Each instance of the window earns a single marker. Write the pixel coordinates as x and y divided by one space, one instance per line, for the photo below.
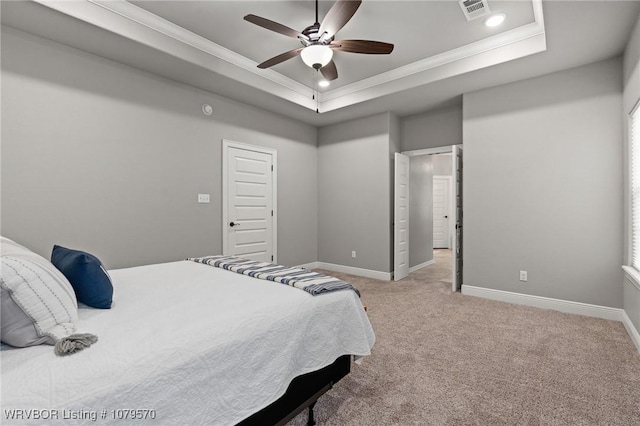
634 137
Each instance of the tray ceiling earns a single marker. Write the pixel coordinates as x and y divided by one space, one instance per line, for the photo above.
438 54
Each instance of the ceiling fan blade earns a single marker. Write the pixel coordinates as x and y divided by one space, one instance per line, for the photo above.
329 71
274 26
337 17
362 46
280 58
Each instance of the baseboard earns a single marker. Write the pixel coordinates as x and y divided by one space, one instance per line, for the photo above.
566 306
631 330
311 265
422 265
368 273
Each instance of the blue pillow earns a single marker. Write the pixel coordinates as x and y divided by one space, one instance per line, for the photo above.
86 274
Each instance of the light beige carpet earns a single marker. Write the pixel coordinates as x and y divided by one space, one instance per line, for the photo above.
447 359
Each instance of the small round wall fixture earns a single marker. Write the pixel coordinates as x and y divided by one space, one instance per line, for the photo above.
207 109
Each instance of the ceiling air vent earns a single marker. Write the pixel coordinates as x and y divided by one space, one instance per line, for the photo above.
473 9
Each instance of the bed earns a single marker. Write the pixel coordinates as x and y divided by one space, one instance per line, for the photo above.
188 343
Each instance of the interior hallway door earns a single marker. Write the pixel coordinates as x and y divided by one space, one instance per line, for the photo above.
401 217
249 202
441 215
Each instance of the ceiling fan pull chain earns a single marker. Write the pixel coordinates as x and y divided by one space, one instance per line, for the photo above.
316 92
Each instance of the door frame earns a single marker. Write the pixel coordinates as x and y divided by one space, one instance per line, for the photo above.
457 227
453 189
226 144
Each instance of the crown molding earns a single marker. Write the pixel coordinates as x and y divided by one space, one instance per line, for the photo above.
498 41
516 43
176 32
137 24
440 67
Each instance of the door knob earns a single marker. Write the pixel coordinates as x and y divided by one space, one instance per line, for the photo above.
232 224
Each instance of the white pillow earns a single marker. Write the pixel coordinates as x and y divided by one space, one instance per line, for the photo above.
38 303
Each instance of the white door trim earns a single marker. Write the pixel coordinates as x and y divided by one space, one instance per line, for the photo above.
226 144
429 151
457 228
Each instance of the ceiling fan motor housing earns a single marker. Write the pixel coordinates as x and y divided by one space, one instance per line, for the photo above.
313 34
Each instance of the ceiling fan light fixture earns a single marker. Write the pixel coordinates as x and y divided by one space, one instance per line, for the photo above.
495 20
323 83
316 56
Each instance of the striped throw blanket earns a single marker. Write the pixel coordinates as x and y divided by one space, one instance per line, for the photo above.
314 283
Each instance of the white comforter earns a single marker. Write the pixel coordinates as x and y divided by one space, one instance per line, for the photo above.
195 344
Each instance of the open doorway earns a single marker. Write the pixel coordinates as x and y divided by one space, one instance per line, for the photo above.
435 226
442 205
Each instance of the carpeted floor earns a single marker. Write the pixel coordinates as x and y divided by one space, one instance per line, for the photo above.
442 358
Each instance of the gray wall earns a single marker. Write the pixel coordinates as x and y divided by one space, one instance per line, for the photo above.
543 185
106 158
420 210
442 165
630 98
631 57
432 129
354 193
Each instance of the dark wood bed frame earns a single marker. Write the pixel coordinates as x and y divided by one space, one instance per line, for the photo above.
303 392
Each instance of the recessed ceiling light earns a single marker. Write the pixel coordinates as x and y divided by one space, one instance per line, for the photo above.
495 19
323 83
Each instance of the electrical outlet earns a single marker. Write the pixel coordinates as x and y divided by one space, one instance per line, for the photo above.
204 198
523 275
353 254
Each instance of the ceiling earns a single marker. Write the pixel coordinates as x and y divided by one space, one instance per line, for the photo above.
375 20
438 54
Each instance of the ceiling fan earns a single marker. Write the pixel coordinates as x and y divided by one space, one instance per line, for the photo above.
318 40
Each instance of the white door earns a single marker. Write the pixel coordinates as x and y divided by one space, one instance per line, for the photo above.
457 218
441 206
249 200
401 218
